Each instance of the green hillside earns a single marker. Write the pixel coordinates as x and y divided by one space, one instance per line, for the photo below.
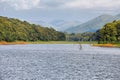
13 29
110 33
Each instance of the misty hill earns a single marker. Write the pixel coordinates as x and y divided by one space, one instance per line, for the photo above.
59 25
94 24
62 25
14 29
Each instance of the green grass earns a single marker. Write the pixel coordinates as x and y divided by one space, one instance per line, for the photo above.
47 42
60 42
117 45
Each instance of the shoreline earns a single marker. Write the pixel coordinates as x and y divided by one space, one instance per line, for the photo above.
107 45
59 42
12 43
44 42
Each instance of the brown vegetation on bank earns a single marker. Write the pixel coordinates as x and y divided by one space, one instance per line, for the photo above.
106 45
12 43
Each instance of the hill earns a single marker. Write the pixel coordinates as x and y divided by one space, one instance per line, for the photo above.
59 25
109 33
93 25
62 25
14 29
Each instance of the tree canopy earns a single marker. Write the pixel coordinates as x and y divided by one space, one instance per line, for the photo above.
13 29
110 33
86 36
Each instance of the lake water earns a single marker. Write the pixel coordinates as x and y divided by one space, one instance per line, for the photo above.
58 62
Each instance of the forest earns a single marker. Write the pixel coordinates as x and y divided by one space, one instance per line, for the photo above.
12 29
110 33
86 36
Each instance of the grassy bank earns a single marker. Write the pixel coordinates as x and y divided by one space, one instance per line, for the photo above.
60 42
46 42
12 43
53 42
107 45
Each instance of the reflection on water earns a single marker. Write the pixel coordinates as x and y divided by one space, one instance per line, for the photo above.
59 62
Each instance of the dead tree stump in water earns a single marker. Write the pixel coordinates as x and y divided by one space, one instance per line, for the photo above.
80 46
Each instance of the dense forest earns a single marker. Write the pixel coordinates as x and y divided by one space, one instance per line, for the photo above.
13 29
110 33
86 36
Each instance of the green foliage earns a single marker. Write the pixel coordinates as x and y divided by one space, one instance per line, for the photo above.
86 36
110 33
13 29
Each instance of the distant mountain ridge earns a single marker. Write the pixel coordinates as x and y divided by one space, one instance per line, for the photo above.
94 24
63 25
59 25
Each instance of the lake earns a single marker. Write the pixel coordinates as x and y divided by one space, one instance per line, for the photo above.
59 62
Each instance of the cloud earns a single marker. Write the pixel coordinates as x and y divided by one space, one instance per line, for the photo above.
62 4
81 4
21 4
53 3
92 4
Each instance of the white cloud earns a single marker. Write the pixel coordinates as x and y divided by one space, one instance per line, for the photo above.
22 4
63 4
91 4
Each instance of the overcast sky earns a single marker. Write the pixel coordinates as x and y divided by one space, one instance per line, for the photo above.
48 10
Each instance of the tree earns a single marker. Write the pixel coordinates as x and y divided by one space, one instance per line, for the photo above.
13 29
108 33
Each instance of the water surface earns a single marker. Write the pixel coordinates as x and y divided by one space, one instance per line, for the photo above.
59 62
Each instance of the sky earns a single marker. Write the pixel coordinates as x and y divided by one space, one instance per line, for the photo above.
50 10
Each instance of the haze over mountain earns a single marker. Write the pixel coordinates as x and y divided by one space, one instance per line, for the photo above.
70 11
59 25
94 24
77 26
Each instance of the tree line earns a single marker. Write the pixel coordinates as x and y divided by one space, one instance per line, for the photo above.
12 29
86 36
110 33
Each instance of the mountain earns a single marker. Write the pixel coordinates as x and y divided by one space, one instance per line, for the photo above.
62 25
42 23
94 24
59 25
